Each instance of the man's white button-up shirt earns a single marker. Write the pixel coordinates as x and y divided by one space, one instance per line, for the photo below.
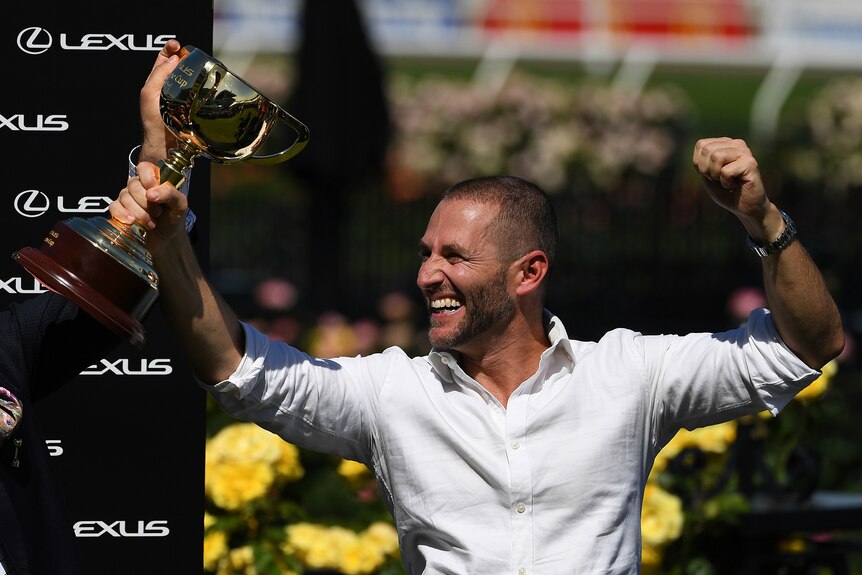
553 482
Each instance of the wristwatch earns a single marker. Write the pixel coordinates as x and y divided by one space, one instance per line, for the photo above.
785 239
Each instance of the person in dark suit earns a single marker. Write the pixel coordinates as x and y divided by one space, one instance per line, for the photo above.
44 343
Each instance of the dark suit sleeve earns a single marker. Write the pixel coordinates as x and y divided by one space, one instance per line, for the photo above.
53 340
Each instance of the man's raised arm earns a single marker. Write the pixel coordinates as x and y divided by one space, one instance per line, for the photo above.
802 308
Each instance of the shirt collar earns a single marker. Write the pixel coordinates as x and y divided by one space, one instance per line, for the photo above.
558 336
445 362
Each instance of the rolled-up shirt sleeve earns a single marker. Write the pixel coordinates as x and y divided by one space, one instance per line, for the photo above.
326 405
707 378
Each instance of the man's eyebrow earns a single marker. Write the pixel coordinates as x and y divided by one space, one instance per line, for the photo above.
445 248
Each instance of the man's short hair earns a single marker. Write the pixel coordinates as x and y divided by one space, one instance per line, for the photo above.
526 221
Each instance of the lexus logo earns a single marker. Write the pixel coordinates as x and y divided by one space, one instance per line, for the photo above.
34 40
37 40
33 203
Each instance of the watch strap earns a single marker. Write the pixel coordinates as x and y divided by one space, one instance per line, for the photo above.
781 242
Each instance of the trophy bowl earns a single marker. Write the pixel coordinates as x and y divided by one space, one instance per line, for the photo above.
102 264
215 114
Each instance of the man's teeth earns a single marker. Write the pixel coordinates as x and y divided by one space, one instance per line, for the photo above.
445 303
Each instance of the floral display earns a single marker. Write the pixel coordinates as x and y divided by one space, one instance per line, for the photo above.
832 154
661 523
341 549
252 527
244 461
552 133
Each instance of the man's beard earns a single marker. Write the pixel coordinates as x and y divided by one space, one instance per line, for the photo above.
485 306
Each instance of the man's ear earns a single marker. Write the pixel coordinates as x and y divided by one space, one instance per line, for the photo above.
532 269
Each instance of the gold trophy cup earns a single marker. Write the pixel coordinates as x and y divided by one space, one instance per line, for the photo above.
103 265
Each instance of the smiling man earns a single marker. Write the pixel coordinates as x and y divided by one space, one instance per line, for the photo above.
510 447
485 254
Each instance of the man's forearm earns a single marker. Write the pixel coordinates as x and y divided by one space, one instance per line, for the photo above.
207 328
803 309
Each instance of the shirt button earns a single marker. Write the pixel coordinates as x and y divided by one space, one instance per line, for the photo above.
516 444
522 571
520 507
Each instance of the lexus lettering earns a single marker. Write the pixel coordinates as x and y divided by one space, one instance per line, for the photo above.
34 203
37 123
157 528
126 367
37 40
17 285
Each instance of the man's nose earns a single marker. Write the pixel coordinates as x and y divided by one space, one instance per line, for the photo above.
430 273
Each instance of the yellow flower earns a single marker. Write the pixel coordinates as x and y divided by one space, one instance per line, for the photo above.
353 470
243 461
215 547
288 466
338 548
711 439
209 520
325 551
793 545
817 387
300 536
230 485
661 518
715 438
357 558
332 337
650 560
242 559
383 536
248 441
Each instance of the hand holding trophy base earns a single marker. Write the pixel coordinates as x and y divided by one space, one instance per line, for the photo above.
103 265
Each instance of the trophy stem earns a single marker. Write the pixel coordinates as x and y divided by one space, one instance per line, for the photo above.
179 159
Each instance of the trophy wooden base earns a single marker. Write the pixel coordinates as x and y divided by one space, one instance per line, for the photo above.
85 273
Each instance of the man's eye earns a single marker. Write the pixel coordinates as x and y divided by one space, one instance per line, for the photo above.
454 259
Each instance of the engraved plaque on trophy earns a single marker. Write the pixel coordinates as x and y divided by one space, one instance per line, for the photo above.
102 264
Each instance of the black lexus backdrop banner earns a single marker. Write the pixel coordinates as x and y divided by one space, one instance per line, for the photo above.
127 435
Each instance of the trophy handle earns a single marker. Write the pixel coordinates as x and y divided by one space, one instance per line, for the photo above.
292 150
